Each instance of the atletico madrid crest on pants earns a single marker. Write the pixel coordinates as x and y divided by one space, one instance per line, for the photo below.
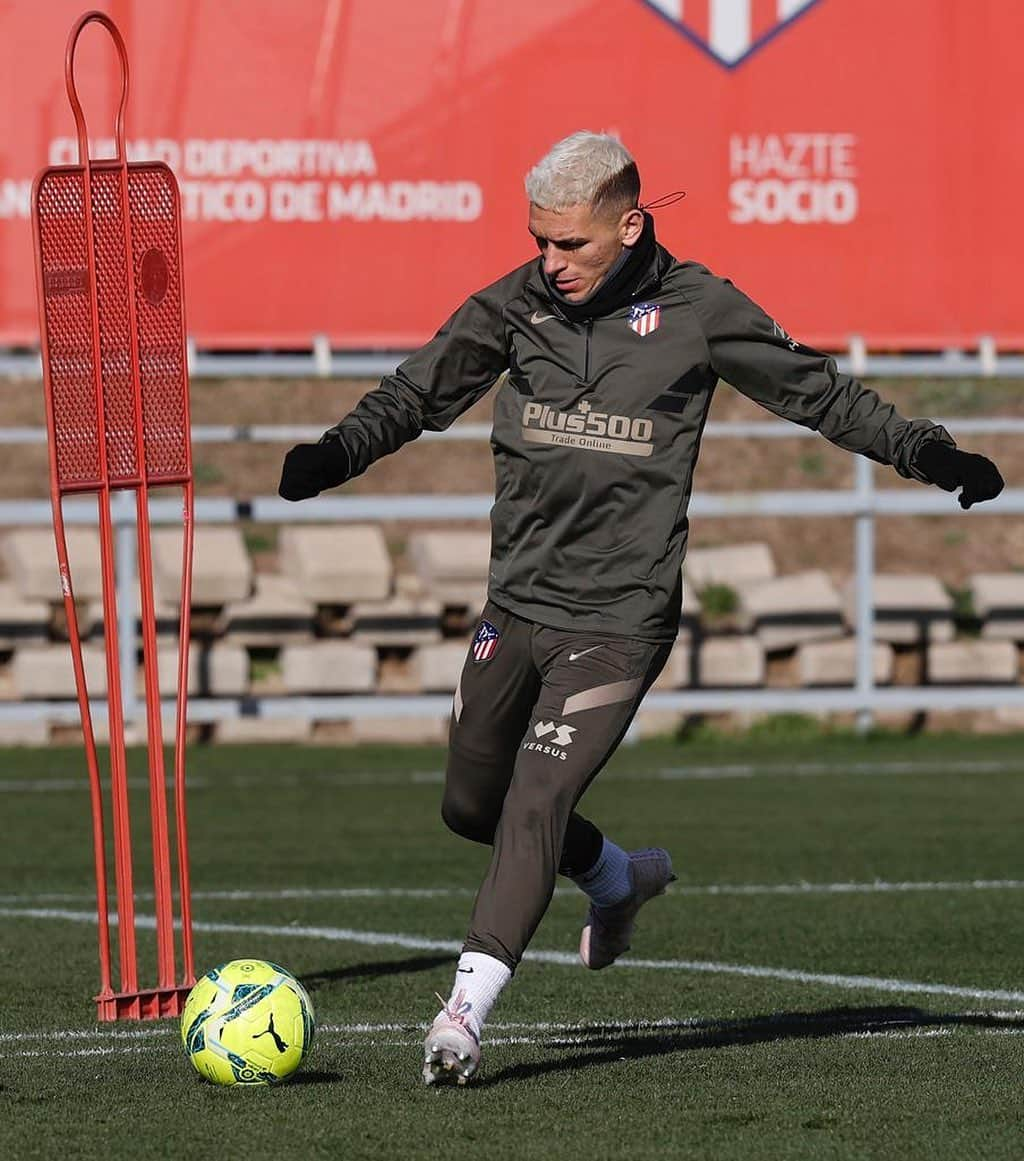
485 642
644 317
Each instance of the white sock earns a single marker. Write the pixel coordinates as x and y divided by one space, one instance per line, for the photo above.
608 881
478 980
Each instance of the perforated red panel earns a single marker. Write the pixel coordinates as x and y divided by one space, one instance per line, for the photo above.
68 324
156 245
151 282
119 404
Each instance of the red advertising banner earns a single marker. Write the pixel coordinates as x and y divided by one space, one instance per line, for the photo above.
355 168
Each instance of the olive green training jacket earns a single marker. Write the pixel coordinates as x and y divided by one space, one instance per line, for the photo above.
597 428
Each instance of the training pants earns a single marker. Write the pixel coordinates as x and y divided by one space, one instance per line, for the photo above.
533 722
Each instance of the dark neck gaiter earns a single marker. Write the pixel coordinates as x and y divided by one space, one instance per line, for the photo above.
619 285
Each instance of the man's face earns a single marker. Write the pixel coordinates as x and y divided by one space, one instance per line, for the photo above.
579 247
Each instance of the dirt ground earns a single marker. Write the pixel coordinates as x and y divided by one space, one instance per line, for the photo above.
950 547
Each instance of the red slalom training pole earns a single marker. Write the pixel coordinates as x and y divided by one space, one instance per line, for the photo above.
112 323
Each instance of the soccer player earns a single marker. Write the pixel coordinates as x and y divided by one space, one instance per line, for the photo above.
612 349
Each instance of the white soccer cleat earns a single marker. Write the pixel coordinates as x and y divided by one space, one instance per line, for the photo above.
608 930
451 1051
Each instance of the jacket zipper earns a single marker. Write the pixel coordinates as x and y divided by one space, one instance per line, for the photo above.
586 356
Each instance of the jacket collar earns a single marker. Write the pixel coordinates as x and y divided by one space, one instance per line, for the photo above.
638 269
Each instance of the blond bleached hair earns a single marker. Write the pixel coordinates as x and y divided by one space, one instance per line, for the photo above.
592 169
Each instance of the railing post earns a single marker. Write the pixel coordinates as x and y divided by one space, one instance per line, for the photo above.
864 563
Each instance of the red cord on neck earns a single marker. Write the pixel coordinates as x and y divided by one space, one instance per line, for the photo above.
669 199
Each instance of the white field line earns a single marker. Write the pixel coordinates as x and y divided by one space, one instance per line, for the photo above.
878 886
493 1041
560 958
578 1028
54 785
657 774
579 1034
817 769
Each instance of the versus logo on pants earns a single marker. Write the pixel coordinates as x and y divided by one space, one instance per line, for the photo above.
562 737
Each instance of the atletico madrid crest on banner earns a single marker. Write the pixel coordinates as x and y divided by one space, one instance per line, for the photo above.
730 30
485 642
644 317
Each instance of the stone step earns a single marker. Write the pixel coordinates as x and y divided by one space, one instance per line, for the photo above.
789 610
47 671
973 662
835 663
453 565
396 622
250 731
729 564
276 614
714 663
22 621
30 558
909 609
999 601
337 564
329 667
220 670
221 568
439 667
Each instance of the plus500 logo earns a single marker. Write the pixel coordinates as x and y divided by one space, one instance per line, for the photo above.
593 423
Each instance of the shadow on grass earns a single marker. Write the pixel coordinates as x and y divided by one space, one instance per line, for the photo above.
595 1044
378 970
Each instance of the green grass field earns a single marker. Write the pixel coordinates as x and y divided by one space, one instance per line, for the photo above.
838 973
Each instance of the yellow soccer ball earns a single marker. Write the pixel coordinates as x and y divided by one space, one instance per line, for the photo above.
247 1022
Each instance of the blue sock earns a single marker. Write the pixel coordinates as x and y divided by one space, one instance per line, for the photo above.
608 881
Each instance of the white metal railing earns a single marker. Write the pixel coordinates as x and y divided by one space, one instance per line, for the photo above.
320 360
481 432
864 503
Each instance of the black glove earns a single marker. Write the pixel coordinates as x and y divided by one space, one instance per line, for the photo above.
309 468
951 468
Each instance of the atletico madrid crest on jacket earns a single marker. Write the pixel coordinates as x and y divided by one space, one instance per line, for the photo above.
485 642
644 317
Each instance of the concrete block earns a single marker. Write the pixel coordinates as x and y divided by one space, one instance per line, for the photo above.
454 566
399 621
36 733
729 564
439 667
46 671
276 613
1009 717
221 568
972 662
30 557
21 621
337 564
835 662
999 601
252 730
329 667
409 584
908 608
408 731
167 671
220 670
91 620
731 661
721 662
788 610
656 723
677 672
